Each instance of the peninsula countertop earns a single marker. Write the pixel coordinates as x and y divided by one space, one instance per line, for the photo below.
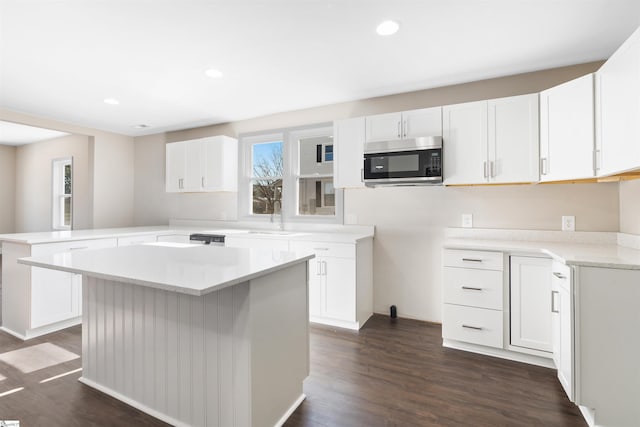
607 255
183 268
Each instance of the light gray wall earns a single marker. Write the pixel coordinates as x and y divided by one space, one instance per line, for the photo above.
7 188
630 207
34 186
110 163
410 221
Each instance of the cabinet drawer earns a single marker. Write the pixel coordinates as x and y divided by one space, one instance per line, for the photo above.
475 288
481 260
136 240
473 325
325 249
54 248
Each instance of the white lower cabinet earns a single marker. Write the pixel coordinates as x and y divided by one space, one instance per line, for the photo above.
340 282
530 290
256 243
173 238
473 297
563 325
498 308
56 296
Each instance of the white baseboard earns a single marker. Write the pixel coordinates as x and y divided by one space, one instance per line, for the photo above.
500 353
291 410
134 403
43 330
334 322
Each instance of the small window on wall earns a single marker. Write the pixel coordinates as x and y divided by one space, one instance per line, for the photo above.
62 183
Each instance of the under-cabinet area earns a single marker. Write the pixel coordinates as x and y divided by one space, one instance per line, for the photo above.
553 304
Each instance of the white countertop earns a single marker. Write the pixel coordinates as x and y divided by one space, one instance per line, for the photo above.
183 268
348 235
607 255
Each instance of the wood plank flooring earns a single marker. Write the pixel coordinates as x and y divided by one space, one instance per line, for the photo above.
391 373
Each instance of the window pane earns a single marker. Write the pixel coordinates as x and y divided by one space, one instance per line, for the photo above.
67 179
313 156
316 196
267 160
267 196
67 212
328 153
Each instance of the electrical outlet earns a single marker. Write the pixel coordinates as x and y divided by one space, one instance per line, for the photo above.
467 220
569 223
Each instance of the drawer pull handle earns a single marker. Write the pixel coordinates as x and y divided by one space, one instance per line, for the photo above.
471 259
470 288
78 248
553 302
559 275
476 328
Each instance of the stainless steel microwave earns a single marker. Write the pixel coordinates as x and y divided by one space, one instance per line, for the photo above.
416 161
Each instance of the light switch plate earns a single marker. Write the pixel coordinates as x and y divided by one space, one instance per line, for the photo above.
569 223
467 220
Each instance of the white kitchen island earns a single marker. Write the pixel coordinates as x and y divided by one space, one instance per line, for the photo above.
194 335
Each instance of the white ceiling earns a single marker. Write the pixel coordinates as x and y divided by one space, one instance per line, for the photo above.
60 59
19 134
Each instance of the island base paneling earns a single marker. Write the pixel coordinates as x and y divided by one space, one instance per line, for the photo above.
233 357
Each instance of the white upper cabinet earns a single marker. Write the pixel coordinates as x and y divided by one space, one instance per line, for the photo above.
205 164
618 87
464 142
402 125
494 141
513 139
348 146
567 130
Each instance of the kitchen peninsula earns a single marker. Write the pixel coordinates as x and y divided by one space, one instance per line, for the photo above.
194 335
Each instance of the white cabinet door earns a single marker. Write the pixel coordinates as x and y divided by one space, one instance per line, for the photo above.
531 303
513 139
205 164
383 127
175 166
619 98
563 326
219 164
464 134
316 282
348 146
422 122
338 295
56 295
174 238
567 131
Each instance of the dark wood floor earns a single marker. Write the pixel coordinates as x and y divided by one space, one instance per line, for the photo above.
391 373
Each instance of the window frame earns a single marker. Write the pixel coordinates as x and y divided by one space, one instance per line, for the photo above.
291 174
59 195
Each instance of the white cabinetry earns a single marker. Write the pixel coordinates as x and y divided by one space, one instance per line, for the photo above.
567 130
530 287
563 326
174 238
494 141
618 88
205 164
406 124
348 146
473 297
340 282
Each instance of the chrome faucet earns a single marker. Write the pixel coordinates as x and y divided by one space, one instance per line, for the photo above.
277 206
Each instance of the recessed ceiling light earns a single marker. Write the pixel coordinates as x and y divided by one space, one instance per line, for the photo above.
141 126
111 101
387 28
213 73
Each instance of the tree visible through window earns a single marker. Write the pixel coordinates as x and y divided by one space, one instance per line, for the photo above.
268 169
